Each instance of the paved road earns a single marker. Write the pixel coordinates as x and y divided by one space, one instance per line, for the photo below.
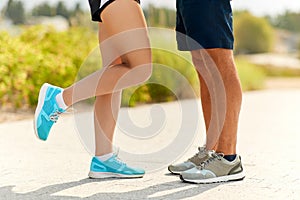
269 142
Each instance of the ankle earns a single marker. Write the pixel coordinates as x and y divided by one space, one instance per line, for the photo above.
67 97
104 157
230 158
60 101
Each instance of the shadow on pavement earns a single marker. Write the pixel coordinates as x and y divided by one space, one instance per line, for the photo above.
47 192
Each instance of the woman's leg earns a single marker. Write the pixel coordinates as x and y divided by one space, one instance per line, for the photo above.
126 37
127 62
106 110
123 37
105 116
127 65
108 98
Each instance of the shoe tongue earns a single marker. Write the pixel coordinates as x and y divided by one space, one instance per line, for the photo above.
221 154
201 149
212 153
115 156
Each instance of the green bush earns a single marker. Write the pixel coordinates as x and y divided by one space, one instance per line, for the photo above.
173 77
252 78
288 21
272 71
40 55
252 34
299 50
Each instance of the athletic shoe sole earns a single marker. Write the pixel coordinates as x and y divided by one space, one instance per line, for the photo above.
234 177
42 96
99 175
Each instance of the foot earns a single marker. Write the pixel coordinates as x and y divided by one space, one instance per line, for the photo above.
192 162
47 111
215 169
113 168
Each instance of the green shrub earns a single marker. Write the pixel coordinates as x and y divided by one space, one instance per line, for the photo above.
40 55
288 21
299 49
252 34
173 77
272 71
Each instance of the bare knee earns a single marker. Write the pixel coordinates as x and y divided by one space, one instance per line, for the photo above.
140 63
218 63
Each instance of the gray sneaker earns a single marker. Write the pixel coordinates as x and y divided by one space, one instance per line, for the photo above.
192 162
215 169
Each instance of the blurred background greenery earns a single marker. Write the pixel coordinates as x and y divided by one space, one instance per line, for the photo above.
51 43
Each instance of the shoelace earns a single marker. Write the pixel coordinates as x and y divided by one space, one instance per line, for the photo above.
55 115
118 160
200 151
212 156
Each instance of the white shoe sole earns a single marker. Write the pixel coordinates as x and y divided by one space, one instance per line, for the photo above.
234 177
42 95
111 175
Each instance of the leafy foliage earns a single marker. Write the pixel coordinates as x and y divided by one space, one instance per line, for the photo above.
45 9
288 21
15 11
299 49
173 77
252 34
40 55
160 17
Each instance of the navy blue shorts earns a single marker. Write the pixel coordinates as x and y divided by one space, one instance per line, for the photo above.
97 6
204 24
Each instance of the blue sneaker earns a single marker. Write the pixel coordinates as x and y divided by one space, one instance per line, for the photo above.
113 168
47 110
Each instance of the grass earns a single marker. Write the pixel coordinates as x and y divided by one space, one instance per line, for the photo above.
287 72
252 76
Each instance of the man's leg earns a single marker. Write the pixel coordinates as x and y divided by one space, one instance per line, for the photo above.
218 168
220 87
227 138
